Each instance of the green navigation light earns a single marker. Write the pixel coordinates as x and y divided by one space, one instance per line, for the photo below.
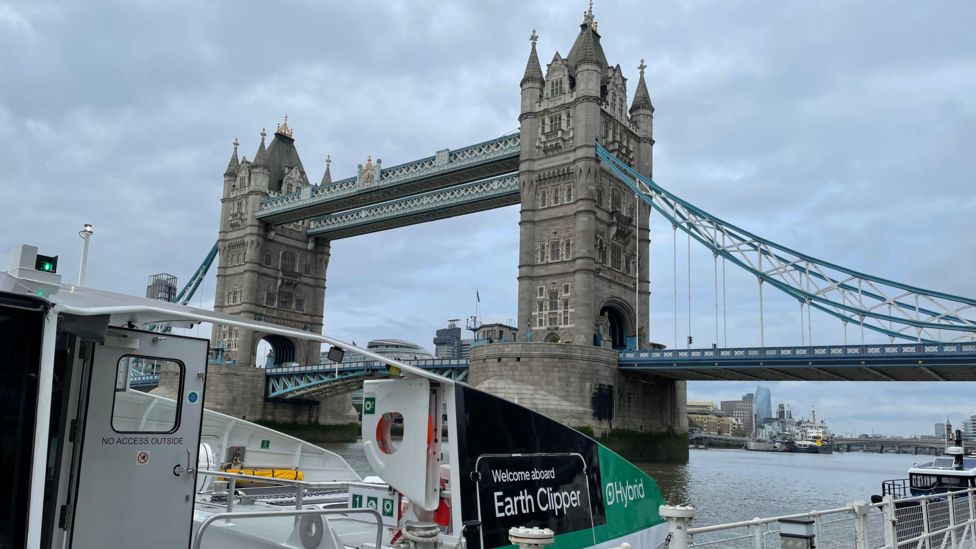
46 263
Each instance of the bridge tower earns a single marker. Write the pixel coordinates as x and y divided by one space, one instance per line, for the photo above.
584 237
583 291
270 273
275 274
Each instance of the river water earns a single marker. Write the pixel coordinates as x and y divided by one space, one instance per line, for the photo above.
733 485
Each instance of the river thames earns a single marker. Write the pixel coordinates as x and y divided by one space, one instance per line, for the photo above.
733 485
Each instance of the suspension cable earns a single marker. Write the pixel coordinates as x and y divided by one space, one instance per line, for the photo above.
803 332
762 327
689 291
674 268
715 270
725 320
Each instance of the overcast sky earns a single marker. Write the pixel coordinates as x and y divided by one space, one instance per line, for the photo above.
843 129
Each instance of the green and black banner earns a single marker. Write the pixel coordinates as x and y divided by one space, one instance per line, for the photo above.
520 468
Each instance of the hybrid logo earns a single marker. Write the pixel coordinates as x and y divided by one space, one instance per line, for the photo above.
624 493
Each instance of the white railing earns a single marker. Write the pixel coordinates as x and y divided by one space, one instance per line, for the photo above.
941 521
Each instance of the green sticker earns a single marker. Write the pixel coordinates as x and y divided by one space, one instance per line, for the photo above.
369 405
371 502
387 507
357 501
265 444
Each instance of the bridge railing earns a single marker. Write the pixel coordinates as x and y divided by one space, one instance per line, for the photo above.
943 520
817 351
478 153
347 367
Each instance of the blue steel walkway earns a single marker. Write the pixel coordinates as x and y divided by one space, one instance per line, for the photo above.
894 362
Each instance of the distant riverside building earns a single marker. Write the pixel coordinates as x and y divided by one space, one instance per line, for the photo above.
447 341
700 407
940 429
742 410
716 425
969 429
396 349
764 403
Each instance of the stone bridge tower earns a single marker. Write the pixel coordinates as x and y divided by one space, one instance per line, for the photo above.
584 235
583 265
275 274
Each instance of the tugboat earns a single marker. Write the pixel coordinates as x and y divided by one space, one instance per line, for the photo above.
810 437
950 472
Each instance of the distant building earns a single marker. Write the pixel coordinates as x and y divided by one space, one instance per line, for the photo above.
715 425
940 429
744 411
969 429
396 349
764 403
700 407
447 341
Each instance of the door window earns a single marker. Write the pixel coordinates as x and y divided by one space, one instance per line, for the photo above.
136 410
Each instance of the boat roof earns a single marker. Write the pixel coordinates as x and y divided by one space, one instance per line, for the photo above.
945 465
127 310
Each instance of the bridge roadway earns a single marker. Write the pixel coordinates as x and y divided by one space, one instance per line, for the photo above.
899 445
496 159
893 362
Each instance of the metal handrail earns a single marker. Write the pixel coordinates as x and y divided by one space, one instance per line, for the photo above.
265 514
269 480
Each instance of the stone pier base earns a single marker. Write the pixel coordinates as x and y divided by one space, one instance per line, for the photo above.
640 415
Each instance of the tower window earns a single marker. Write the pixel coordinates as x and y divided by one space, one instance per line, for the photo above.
615 256
567 248
288 262
267 259
566 288
554 250
542 198
541 247
542 292
568 194
269 299
300 304
284 300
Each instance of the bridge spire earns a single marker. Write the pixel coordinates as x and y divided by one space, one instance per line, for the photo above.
261 155
533 69
234 162
327 176
642 99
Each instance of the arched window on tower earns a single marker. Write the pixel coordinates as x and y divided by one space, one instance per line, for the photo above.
288 262
615 200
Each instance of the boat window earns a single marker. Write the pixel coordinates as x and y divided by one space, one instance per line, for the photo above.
135 411
20 343
952 481
924 481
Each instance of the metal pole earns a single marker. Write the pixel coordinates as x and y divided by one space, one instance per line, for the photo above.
674 269
762 335
636 272
715 269
802 331
725 319
689 290
85 234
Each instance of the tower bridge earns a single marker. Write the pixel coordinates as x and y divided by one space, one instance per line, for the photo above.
581 167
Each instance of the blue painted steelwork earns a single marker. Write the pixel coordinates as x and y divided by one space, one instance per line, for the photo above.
324 379
891 308
505 147
894 362
186 294
503 189
147 381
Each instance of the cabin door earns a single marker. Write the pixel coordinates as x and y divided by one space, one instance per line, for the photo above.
136 477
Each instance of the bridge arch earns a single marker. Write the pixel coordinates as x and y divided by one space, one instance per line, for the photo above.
614 324
280 349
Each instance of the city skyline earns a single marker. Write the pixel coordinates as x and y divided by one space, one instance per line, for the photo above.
841 131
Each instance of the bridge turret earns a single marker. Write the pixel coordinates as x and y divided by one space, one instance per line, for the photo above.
230 174
642 114
532 81
259 167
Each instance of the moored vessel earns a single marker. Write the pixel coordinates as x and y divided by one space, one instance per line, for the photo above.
97 463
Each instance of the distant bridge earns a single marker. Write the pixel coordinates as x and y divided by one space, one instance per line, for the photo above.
899 445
